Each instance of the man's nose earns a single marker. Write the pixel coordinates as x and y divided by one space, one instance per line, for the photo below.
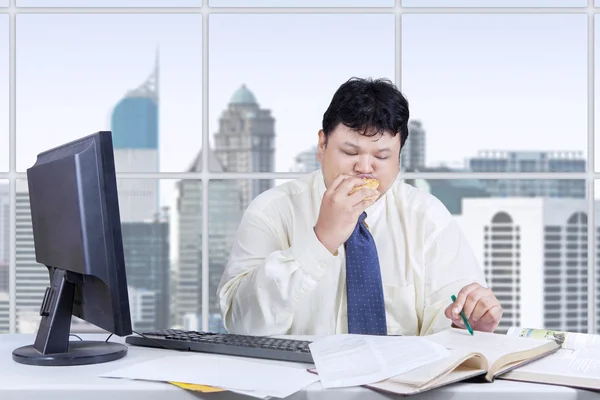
364 165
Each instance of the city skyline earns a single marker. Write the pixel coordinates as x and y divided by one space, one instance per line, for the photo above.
438 82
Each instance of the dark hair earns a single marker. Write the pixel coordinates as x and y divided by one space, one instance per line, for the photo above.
371 107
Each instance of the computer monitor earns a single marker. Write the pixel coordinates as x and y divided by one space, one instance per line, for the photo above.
77 236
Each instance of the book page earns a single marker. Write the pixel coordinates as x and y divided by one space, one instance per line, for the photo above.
424 375
583 363
352 360
567 340
492 345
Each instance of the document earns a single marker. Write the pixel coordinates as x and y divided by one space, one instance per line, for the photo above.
254 378
352 360
576 364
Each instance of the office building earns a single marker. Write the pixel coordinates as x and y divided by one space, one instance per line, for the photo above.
31 278
412 156
225 211
4 224
534 254
451 192
134 124
306 161
530 161
146 248
245 142
142 307
4 312
4 276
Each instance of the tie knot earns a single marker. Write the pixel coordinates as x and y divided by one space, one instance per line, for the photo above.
362 217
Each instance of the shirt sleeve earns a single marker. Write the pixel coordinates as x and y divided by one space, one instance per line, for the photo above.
450 265
266 277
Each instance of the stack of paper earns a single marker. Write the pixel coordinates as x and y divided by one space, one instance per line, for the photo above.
253 378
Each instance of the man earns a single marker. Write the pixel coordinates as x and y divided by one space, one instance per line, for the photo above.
316 256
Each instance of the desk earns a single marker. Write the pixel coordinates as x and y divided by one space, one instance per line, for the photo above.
25 382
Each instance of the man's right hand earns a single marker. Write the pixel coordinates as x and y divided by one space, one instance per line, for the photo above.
340 211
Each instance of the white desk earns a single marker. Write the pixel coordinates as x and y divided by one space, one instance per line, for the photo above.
24 382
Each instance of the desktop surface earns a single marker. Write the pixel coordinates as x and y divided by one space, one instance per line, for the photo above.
27 382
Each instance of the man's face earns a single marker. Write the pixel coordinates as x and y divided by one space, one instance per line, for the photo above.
347 152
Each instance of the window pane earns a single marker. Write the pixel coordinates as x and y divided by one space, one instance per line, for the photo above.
187 217
530 237
4 254
269 92
494 3
4 109
146 246
114 81
109 3
228 199
146 243
475 86
301 3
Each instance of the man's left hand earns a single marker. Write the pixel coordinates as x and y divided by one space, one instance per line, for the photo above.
481 308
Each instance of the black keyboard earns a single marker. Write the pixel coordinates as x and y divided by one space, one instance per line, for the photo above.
226 343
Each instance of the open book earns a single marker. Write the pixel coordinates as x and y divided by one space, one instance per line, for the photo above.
483 355
576 364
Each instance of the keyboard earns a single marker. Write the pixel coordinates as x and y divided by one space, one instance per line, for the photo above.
227 344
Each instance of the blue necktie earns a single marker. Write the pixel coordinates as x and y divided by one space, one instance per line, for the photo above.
366 308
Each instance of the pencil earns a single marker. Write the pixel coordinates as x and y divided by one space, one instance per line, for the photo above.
464 318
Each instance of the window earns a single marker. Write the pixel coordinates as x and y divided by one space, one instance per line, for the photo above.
210 105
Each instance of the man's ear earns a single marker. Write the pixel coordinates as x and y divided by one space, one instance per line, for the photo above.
321 146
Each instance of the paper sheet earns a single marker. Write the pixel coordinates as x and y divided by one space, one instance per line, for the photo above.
197 388
350 360
259 379
583 363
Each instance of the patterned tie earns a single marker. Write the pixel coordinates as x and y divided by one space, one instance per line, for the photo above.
366 308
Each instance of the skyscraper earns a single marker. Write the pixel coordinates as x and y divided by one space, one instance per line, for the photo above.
134 124
534 255
31 278
306 161
146 251
225 212
4 223
412 156
245 142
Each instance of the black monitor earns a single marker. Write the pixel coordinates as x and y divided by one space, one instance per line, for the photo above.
77 236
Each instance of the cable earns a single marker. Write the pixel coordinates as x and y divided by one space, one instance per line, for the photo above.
109 336
72 334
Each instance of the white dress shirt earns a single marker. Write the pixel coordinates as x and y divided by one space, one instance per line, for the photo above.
280 279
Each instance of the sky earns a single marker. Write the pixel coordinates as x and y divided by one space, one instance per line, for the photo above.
473 83
507 82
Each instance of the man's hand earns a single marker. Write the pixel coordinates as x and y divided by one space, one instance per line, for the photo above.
340 211
481 308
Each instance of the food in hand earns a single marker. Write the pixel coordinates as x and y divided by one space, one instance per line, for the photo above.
370 183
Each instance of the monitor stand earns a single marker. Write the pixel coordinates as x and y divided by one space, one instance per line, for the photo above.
52 345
